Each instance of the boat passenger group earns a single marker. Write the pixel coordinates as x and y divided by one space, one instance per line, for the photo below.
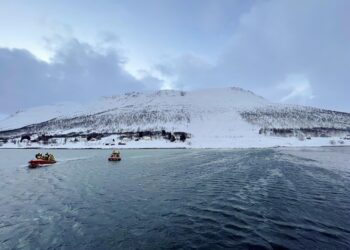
48 159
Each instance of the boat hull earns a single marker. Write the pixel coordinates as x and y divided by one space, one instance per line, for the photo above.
40 163
114 158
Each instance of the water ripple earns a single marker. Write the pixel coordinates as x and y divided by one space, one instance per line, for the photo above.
161 199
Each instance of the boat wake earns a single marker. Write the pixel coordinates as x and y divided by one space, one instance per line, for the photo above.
74 159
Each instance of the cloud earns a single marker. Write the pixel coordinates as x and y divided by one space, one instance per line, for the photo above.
289 51
298 90
277 39
108 38
187 72
78 71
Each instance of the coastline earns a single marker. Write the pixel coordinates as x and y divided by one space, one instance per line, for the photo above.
175 148
238 142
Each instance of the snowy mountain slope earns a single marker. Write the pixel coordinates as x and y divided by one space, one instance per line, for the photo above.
38 114
136 109
213 117
293 116
164 100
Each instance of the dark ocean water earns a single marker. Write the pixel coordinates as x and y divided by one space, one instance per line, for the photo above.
172 199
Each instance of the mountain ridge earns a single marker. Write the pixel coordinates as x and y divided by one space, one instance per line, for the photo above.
224 117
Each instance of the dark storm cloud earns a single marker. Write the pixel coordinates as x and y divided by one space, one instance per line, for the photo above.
292 51
78 71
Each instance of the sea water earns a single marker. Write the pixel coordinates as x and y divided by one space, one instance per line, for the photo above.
161 199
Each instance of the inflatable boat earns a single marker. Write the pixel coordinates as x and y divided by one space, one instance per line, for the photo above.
40 163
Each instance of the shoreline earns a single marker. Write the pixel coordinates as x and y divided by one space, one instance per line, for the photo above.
195 143
187 148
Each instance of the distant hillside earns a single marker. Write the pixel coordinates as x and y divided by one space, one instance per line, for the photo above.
226 117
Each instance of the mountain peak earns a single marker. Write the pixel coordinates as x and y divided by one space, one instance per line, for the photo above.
217 117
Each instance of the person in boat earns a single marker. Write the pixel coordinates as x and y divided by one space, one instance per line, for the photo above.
39 156
46 157
115 153
115 156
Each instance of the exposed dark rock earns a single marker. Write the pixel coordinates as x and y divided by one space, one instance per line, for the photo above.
25 137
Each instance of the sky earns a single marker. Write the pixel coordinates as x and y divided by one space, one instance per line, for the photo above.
288 51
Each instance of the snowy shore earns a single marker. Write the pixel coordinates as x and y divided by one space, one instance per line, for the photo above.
215 143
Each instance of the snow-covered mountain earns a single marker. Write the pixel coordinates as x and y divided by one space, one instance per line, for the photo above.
228 117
